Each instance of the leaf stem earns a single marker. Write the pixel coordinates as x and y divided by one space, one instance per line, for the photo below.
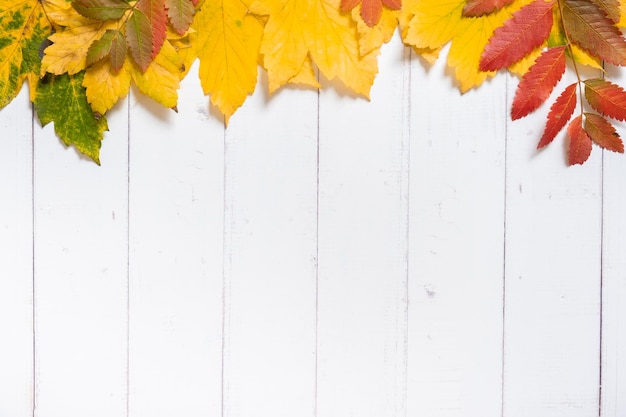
571 53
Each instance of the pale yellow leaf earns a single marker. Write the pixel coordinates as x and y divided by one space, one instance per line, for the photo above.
372 38
228 47
162 78
104 87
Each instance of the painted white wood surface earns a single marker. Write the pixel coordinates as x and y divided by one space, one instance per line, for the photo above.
322 256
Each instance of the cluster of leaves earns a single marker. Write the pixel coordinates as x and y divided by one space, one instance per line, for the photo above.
80 57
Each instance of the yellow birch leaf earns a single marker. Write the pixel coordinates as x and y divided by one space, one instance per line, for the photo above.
228 47
162 78
104 87
68 52
372 38
23 28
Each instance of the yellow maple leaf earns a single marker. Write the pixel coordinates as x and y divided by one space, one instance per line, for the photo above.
434 23
298 30
23 28
228 48
372 38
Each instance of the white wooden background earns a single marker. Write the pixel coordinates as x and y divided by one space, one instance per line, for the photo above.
324 256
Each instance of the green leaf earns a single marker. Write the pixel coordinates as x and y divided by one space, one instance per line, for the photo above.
118 52
100 48
101 9
139 38
61 99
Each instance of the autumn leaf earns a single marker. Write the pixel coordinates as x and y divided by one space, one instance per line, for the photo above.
228 47
113 45
610 7
371 39
61 99
180 14
560 113
140 39
23 29
528 29
606 98
589 27
435 23
603 133
105 86
155 12
476 8
580 143
537 84
371 10
317 29
101 9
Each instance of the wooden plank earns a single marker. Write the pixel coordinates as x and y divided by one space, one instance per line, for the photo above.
270 266
613 365
176 217
456 246
363 173
16 265
80 266
553 245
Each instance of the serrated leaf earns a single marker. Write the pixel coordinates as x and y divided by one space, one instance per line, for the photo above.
606 98
23 30
161 80
579 142
371 10
537 84
139 39
156 13
61 99
119 48
180 13
101 47
602 132
528 29
69 49
105 86
610 7
101 9
560 113
590 28
372 38
476 8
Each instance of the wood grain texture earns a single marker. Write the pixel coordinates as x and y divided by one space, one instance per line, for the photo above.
16 259
363 246
270 256
80 265
176 217
456 246
553 266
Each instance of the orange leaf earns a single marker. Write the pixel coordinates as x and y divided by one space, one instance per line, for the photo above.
610 7
538 82
476 8
349 4
579 142
157 16
602 132
606 98
526 30
371 10
589 27
559 114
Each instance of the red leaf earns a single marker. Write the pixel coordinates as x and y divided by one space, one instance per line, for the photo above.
559 114
139 39
606 98
476 8
371 10
157 16
602 132
589 27
579 142
180 13
538 82
526 30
